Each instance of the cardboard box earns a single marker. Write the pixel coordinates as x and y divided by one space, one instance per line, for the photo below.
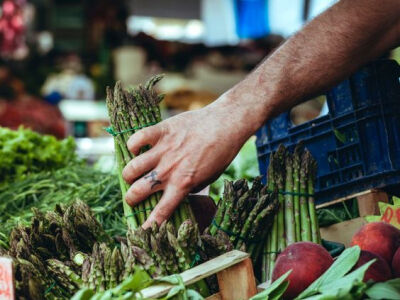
342 232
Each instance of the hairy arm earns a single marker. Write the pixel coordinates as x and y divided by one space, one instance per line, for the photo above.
192 149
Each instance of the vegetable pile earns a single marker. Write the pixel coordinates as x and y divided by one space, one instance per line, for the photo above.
49 252
342 280
292 175
23 152
67 249
243 214
46 189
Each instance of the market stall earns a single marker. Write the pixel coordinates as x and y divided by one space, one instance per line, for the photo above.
309 207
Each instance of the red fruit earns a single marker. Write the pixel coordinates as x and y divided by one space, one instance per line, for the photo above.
379 238
308 261
396 264
379 271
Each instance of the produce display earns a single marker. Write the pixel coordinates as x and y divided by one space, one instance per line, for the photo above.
344 279
71 234
45 189
67 249
50 251
292 175
23 152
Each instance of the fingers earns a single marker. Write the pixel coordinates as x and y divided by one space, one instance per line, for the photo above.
143 188
168 203
140 165
144 137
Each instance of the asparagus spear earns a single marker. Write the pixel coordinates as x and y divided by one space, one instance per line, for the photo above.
296 188
315 233
289 213
279 177
304 215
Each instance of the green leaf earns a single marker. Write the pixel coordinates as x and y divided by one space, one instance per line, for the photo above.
340 136
171 279
342 286
279 286
385 290
83 294
321 297
136 282
278 293
396 201
341 266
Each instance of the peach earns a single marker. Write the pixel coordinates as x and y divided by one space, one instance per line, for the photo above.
396 264
378 237
379 271
307 260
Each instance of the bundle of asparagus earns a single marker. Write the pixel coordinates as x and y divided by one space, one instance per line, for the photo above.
129 111
67 249
293 175
159 251
243 214
54 246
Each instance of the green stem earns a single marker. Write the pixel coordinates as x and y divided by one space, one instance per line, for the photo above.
296 190
128 212
289 213
304 214
315 233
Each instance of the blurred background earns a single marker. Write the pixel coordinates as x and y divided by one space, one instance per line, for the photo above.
57 56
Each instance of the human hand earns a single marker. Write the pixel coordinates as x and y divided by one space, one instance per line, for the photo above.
188 152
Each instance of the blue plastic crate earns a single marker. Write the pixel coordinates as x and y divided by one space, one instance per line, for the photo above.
357 145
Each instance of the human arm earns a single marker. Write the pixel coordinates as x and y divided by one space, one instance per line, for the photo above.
192 149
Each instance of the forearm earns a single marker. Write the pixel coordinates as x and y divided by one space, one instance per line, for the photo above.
324 52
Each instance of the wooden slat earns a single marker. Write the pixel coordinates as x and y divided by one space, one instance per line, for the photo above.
368 203
199 272
344 198
237 282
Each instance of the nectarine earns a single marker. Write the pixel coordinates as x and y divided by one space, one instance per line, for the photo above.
396 264
379 271
379 238
308 261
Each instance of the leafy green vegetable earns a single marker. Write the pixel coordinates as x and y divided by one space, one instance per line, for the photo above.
385 290
341 287
131 288
23 152
337 213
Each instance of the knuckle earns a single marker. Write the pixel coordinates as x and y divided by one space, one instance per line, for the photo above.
136 138
186 182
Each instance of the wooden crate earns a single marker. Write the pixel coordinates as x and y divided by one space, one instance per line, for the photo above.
234 272
367 205
367 201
